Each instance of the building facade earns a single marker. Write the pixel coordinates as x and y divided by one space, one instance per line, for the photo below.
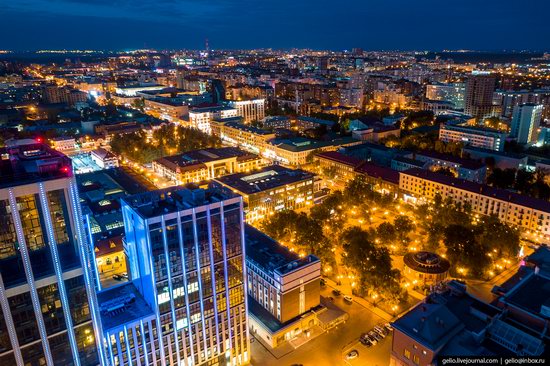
525 123
474 136
249 110
478 99
48 306
187 262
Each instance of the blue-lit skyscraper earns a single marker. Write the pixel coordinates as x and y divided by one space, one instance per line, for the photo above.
185 303
47 306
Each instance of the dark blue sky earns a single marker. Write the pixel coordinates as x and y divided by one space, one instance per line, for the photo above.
320 24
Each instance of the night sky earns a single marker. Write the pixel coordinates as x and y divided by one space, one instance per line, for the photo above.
318 24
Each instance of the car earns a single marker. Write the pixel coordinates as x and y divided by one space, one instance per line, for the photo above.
117 277
365 342
331 298
336 292
348 299
323 282
375 335
381 330
372 340
124 275
352 354
388 326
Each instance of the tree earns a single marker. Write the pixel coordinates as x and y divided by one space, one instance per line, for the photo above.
386 233
372 264
139 104
497 236
403 226
464 251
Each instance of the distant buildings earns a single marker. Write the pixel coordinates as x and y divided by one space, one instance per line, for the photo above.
478 99
447 92
200 165
525 123
283 289
273 188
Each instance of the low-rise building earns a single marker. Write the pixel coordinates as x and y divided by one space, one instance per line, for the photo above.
425 268
200 165
63 143
273 188
283 289
104 159
303 123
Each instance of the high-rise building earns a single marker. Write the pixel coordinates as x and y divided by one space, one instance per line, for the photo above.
249 110
186 261
525 122
478 100
47 304
452 92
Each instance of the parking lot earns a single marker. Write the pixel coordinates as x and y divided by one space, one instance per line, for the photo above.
330 348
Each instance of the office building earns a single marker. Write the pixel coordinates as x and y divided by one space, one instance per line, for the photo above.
283 289
525 123
249 110
186 262
478 99
200 165
47 303
479 137
273 188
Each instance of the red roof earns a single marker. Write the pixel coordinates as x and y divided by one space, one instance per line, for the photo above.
375 171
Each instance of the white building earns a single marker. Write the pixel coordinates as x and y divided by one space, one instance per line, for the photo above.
525 123
250 110
200 118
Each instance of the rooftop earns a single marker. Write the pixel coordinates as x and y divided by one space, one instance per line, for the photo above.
265 179
340 158
375 171
173 199
197 158
121 305
426 262
531 294
28 163
272 256
318 121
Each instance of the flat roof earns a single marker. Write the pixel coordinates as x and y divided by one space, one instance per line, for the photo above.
121 305
270 255
173 199
531 293
340 158
376 171
31 163
264 179
196 159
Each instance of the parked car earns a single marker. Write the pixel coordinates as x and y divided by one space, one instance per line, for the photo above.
375 335
372 339
336 292
365 342
388 326
352 354
117 277
124 275
323 282
348 299
381 330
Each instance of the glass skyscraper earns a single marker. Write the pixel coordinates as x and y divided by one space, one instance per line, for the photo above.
47 307
185 251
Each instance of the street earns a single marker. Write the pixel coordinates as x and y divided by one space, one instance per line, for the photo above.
330 348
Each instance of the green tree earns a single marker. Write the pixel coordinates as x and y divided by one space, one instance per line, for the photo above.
464 251
386 233
403 226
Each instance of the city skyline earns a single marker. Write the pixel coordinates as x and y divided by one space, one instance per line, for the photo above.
245 24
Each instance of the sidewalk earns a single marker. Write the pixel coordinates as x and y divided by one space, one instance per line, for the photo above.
364 303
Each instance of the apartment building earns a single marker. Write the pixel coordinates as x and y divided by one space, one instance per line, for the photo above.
525 212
